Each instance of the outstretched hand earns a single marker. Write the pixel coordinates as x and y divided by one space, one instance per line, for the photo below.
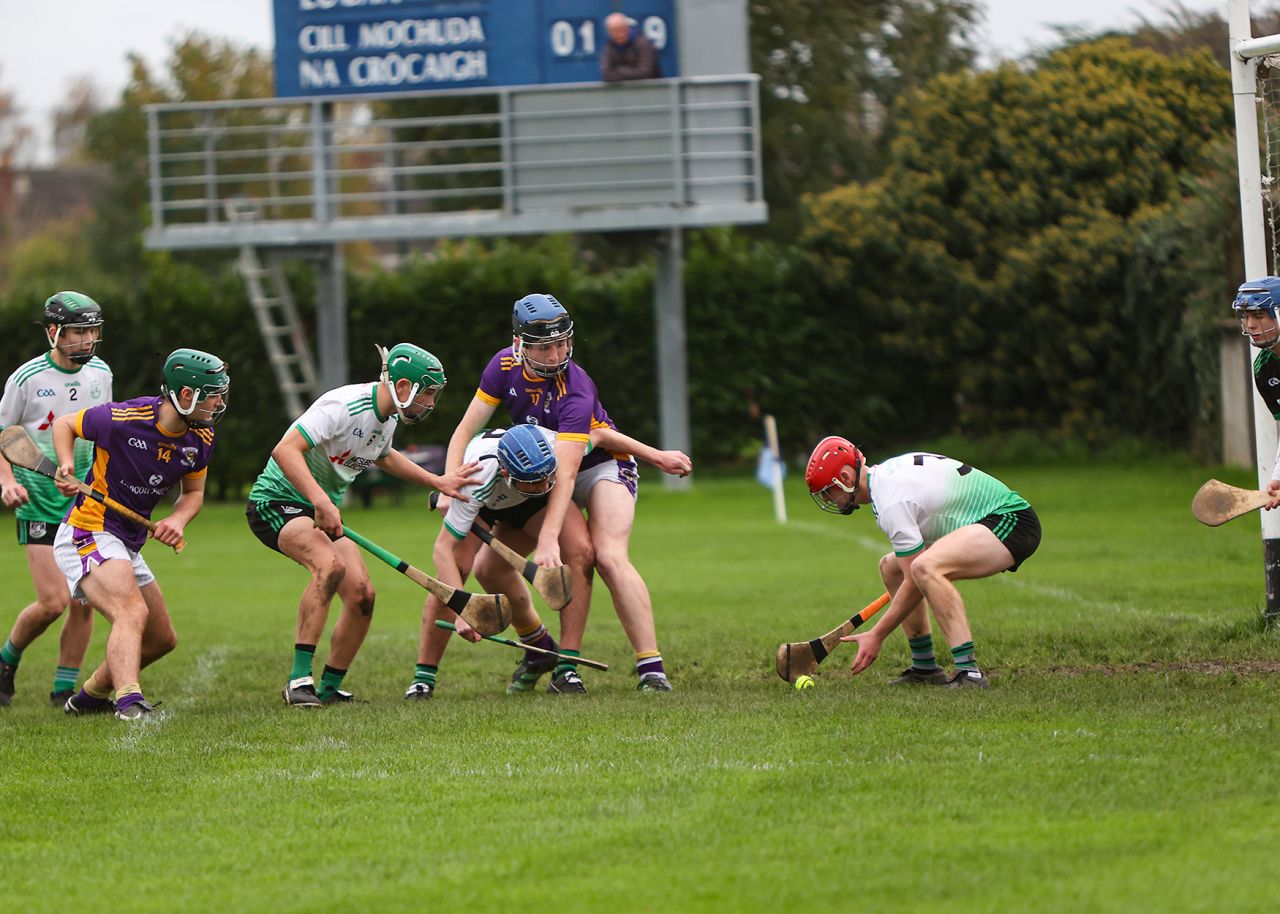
453 483
1273 490
869 644
466 631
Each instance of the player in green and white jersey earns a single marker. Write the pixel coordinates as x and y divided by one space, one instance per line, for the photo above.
293 505
947 521
65 379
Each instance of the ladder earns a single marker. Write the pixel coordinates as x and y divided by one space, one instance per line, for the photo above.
276 314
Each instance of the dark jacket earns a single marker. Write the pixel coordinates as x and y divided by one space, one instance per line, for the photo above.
638 59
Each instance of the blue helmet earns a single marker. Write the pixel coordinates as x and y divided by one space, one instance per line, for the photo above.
526 454
1258 295
537 319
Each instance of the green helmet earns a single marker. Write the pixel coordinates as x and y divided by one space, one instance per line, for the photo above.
407 362
204 373
72 309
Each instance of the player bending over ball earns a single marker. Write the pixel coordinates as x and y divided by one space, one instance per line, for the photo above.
947 521
293 505
66 378
150 444
1255 307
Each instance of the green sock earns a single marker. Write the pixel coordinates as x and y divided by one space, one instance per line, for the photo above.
922 656
567 664
303 656
10 654
330 679
963 656
425 672
64 678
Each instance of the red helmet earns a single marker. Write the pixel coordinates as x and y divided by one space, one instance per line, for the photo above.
823 472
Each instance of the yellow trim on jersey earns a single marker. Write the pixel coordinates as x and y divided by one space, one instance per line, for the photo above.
573 436
80 423
92 515
532 379
509 362
196 474
561 384
485 398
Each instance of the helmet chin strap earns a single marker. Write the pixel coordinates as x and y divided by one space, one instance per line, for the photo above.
391 389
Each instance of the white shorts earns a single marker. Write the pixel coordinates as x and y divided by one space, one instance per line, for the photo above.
78 552
623 472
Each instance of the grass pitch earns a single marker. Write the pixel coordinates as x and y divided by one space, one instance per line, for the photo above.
1125 758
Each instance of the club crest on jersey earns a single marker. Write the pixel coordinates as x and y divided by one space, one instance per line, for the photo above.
95 392
188 456
37 529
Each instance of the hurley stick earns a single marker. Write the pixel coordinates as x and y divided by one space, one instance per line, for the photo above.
487 613
799 658
1216 502
21 451
552 584
594 664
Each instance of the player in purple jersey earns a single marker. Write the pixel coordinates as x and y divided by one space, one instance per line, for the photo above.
539 383
143 448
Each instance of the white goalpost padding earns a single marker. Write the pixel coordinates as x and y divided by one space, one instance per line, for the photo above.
1246 52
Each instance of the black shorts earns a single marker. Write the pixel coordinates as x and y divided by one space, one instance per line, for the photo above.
267 518
36 532
1018 530
515 517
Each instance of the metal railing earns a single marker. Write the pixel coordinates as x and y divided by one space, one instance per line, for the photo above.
678 152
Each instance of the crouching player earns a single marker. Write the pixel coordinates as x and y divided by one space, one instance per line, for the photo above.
517 471
947 521
144 447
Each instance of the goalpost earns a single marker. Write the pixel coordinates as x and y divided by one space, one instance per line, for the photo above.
1247 55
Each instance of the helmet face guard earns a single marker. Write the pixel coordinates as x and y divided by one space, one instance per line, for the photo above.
540 320
423 371
68 311
822 474
201 372
1258 296
528 459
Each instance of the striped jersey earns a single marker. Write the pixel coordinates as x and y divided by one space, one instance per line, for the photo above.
346 434
136 461
36 394
919 498
567 404
492 491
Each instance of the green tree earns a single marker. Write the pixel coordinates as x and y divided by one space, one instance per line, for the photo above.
997 250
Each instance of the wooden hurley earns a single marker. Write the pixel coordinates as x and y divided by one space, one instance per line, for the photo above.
21 451
487 613
594 664
552 584
1216 502
800 658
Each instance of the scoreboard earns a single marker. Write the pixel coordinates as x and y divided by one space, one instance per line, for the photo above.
340 47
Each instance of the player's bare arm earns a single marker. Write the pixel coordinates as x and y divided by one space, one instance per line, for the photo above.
473 420
288 455
674 463
445 556
568 459
64 442
190 500
451 483
904 603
